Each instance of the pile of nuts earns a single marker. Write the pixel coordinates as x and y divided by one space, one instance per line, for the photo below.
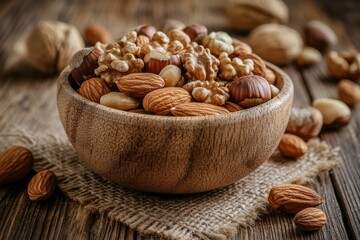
185 72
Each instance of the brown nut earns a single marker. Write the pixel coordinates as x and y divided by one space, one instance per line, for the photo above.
42 185
15 163
156 60
319 36
94 33
93 89
169 24
119 101
342 65
310 219
292 146
171 75
146 30
349 92
293 198
336 114
308 56
249 91
196 32
305 122
197 109
232 107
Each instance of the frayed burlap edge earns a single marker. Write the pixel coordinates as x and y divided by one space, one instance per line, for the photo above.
90 205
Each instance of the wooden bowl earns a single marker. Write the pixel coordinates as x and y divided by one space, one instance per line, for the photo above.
166 154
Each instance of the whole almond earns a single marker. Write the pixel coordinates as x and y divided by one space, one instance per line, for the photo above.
232 107
292 146
349 92
160 101
137 85
293 198
42 185
197 109
93 89
310 219
94 33
15 164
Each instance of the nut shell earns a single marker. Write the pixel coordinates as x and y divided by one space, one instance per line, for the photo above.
310 219
42 185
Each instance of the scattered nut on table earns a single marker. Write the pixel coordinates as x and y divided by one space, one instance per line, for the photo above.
308 56
336 114
292 146
310 219
319 36
343 64
42 185
349 92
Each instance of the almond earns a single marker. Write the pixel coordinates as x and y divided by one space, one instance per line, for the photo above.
42 185
197 109
93 89
160 101
310 219
94 33
232 107
139 84
293 198
292 146
15 164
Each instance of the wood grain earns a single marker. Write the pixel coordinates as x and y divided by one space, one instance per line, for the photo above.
27 100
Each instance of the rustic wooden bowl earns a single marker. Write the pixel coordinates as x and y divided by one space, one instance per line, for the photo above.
173 154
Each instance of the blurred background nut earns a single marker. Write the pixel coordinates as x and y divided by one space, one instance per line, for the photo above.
119 101
196 32
344 64
305 122
94 33
336 114
146 30
51 44
349 92
275 43
169 24
248 14
308 56
320 36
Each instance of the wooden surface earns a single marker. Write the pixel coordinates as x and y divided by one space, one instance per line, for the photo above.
27 99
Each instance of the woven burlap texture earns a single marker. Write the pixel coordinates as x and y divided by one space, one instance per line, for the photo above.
211 215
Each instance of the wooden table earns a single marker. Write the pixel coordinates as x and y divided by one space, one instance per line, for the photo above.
27 100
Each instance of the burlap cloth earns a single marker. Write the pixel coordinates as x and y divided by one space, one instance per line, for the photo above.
212 215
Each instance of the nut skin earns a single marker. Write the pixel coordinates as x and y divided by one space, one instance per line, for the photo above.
348 92
319 36
15 163
292 146
292 198
249 91
336 114
146 29
196 32
94 33
157 61
310 219
93 89
42 185
197 109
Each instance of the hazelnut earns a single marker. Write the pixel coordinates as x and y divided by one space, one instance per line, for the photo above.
156 60
170 24
146 29
94 33
93 89
119 101
308 56
343 65
171 75
336 114
196 32
249 91
349 92
320 36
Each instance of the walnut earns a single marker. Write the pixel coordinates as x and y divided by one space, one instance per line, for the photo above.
208 91
200 64
128 44
343 65
116 61
235 67
219 42
175 46
159 42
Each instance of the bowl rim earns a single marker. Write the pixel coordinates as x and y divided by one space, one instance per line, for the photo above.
285 94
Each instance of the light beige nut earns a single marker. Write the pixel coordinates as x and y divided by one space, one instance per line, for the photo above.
160 38
171 75
196 32
137 85
156 60
83 64
175 47
200 64
232 107
310 219
197 109
119 101
230 68
240 48
293 198
94 33
169 24
208 91
179 35
162 100
292 146
145 30
274 90
319 36
141 41
219 42
93 89
270 76
247 14
42 185
348 92
336 114
308 56
51 44
275 43
15 163
249 91
342 65
305 122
